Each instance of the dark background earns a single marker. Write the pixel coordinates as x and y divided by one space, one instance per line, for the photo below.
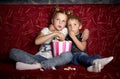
59 1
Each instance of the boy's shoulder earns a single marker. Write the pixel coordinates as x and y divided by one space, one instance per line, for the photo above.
80 34
78 37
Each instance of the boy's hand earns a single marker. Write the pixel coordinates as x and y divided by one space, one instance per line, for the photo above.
71 34
85 35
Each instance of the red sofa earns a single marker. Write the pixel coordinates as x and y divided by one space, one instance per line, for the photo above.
20 24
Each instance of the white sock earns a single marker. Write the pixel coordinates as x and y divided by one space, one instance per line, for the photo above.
99 64
25 66
103 61
95 68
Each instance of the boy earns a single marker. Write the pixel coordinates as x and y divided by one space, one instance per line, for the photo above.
93 63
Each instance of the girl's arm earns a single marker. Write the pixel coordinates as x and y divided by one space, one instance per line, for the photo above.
79 44
41 38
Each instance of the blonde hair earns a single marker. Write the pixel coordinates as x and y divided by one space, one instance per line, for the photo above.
57 10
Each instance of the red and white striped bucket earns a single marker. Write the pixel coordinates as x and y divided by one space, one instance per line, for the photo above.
61 47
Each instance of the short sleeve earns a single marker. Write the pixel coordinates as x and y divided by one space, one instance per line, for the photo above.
65 31
45 30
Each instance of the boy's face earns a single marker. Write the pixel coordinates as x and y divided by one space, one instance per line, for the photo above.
59 22
74 26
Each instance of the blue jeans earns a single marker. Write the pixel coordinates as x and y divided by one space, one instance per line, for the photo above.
81 58
22 56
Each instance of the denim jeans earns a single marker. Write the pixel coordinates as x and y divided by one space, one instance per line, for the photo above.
82 58
22 56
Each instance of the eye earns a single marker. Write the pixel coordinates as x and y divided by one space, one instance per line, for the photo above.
74 24
69 25
63 21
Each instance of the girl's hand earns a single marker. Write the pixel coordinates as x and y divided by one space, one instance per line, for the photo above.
85 35
60 36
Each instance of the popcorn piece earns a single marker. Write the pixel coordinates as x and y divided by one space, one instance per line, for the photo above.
69 68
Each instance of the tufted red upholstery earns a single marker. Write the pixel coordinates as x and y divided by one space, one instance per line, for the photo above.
20 24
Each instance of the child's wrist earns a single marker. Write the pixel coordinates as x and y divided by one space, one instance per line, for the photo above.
55 34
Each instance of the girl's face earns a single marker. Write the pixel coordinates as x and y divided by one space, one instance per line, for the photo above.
59 21
74 25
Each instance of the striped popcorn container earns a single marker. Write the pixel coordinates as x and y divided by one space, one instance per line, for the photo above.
61 47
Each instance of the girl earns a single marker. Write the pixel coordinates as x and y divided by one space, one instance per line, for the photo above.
43 59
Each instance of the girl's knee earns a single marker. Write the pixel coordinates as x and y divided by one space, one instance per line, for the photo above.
67 55
13 53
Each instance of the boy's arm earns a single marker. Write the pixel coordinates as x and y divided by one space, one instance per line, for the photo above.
85 35
80 44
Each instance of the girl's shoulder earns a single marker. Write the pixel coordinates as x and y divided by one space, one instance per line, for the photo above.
64 31
45 30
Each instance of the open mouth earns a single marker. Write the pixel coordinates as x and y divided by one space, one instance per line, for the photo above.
60 26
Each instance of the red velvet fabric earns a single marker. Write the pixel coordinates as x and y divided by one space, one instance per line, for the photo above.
20 24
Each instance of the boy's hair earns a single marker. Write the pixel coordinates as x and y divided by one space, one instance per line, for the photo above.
76 18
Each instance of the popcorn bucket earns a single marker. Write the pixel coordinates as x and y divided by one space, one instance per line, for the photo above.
61 47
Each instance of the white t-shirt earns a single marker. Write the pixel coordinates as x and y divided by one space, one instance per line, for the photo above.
45 48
